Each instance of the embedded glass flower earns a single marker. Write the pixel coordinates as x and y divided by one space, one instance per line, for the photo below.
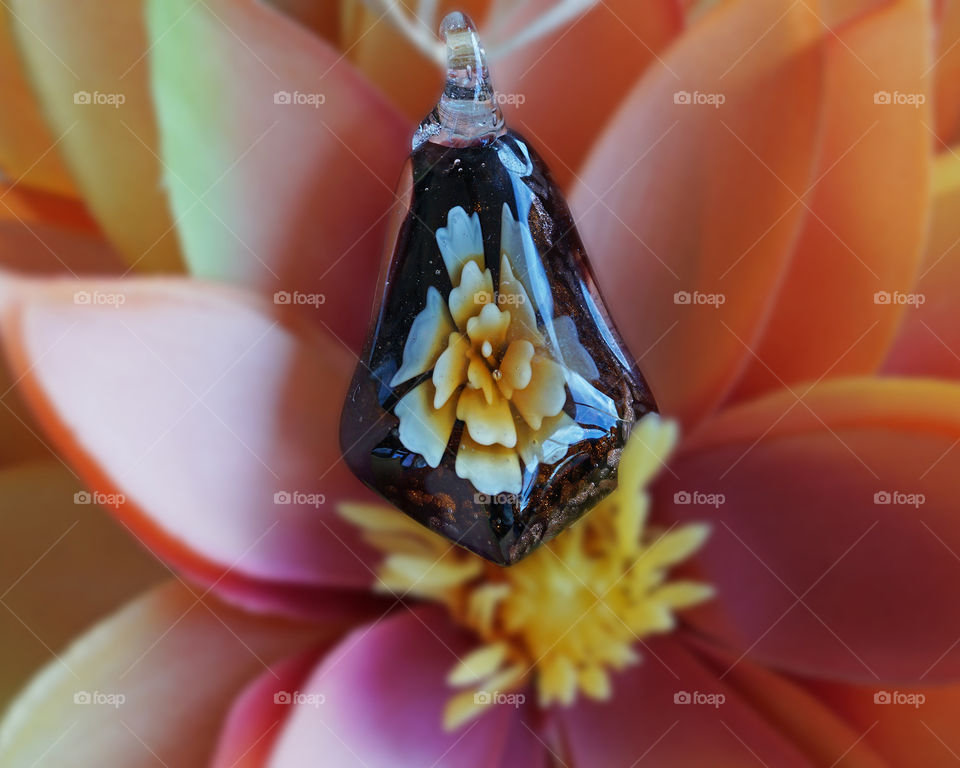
491 367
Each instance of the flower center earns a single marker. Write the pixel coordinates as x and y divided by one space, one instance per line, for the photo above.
568 615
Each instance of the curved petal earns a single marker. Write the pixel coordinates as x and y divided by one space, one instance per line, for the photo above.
28 149
451 368
650 716
928 343
428 335
87 63
689 209
177 662
492 469
217 423
381 693
613 42
843 259
835 531
471 294
423 428
487 423
49 540
911 726
545 395
285 177
256 715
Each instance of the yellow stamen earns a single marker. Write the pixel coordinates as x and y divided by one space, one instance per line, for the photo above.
567 616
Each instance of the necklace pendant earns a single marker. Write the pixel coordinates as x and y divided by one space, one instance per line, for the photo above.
494 395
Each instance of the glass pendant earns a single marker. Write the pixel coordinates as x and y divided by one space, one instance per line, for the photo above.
494 395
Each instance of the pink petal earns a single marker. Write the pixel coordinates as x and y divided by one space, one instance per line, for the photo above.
645 724
820 568
294 197
178 662
689 197
383 692
255 718
200 408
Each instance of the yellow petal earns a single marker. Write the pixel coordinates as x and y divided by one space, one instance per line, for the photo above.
474 291
451 369
487 423
428 334
490 325
545 395
492 469
478 665
423 428
479 377
515 367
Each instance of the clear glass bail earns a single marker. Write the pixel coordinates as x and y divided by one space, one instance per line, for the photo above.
468 112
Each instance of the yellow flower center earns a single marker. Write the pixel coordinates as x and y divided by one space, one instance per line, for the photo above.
568 615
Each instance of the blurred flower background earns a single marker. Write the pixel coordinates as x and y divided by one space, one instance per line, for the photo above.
193 199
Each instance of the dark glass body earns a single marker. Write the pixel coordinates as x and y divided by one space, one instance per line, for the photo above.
502 528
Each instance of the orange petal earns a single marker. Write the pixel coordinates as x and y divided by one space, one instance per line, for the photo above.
826 320
699 198
928 342
217 423
60 566
177 662
947 74
294 196
834 528
28 150
97 49
565 106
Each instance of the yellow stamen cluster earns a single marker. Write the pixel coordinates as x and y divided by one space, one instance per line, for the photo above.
567 615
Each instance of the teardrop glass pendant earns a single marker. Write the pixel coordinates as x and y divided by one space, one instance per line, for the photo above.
494 395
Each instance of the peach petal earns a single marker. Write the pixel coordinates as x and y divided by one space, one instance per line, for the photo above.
487 423
471 294
492 469
545 395
234 469
425 342
450 371
843 259
515 367
699 200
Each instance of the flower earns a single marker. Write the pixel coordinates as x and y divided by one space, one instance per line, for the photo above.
573 613
491 366
200 400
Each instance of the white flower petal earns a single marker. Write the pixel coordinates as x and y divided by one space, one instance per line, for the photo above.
451 368
428 336
487 423
549 443
423 428
545 395
460 241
